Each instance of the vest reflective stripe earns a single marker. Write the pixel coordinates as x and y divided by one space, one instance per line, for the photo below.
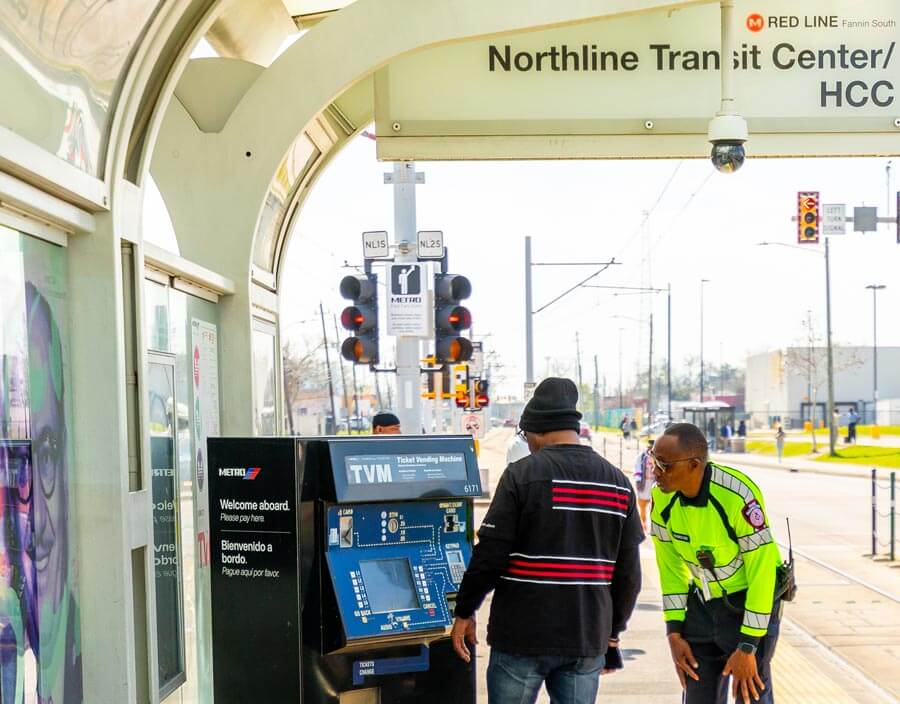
731 482
721 573
658 531
755 620
673 602
755 540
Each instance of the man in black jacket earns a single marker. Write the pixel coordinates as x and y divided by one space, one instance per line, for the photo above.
560 548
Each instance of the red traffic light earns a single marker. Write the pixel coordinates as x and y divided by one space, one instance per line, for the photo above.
462 401
352 318
482 400
460 318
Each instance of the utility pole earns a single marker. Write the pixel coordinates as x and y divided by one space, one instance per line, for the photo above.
596 392
875 289
529 318
578 359
669 353
328 366
337 336
409 403
810 365
832 428
702 281
621 403
650 377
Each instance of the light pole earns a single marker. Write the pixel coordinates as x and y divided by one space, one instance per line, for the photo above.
702 281
832 428
875 289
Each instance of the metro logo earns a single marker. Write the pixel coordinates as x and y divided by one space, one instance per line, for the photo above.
755 22
245 473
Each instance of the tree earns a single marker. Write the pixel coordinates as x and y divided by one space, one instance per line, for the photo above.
808 360
302 371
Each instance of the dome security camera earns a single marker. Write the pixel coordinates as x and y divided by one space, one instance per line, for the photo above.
727 133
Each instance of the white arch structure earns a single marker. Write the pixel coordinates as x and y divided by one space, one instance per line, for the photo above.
215 134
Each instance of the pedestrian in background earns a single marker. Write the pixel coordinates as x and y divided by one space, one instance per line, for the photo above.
742 429
711 432
625 427
644 482
779 441
852 421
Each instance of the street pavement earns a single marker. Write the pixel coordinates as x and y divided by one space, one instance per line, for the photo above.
840 639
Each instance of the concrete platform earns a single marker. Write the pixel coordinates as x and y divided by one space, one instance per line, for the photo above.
840 642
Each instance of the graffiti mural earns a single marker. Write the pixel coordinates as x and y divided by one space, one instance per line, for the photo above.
40 650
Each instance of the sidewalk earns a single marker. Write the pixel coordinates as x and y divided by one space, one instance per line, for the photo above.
796 464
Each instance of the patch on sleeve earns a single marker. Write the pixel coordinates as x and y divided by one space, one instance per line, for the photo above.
754 515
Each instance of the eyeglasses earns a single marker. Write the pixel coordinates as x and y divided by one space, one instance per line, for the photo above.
521 434
664 467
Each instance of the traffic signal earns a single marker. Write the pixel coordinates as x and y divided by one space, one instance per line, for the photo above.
361 319
450 318
462 400
808 217
482 400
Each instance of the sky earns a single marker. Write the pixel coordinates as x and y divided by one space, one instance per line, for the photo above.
695 223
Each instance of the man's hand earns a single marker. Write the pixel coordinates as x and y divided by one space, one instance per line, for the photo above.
612 644
683 657
463 632
745 678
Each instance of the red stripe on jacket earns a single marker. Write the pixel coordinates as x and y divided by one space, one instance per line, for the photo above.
558 575
562 566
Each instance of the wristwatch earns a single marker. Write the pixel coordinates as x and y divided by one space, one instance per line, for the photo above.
748 648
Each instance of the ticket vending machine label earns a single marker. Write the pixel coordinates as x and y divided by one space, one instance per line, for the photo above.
393 565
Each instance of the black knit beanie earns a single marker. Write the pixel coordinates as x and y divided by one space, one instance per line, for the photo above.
553 407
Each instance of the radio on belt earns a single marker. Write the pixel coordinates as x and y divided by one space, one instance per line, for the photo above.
335 566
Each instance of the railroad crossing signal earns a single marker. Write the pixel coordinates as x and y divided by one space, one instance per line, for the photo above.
808 217
361 319
451 318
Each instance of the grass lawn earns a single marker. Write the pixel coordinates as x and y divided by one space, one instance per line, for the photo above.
855 454
862 430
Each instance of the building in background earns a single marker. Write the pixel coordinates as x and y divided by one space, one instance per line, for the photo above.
791 385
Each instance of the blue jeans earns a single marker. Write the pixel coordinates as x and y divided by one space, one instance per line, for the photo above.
713 632
517 679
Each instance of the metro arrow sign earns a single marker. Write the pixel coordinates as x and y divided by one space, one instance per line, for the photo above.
809 203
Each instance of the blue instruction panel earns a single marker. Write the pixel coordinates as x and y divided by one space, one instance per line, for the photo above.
393 564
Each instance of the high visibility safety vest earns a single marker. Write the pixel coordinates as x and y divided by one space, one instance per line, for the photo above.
728 519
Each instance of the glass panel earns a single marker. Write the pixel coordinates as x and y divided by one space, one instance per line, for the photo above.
264 382
156 303
163 423
39 612
61 66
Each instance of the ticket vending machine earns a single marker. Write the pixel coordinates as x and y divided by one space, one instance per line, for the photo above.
335 566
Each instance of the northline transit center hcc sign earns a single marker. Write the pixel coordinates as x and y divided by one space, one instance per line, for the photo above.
814 79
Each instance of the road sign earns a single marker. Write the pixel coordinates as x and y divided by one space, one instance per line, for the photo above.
810 83
476 363
865 218
375 244
430 244
459 378
529 390
834 219
472 424
408 311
